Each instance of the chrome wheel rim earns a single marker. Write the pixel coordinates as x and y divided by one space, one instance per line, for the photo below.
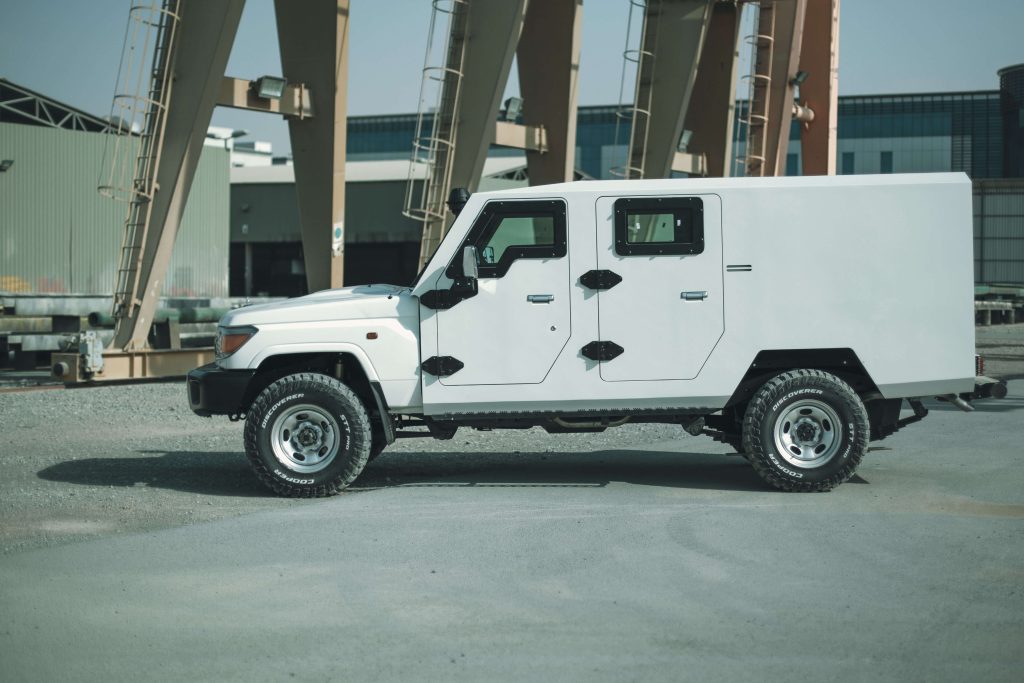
305 438
807 434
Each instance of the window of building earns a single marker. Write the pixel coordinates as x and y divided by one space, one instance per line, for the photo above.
508 231
659 225
885 164
848 168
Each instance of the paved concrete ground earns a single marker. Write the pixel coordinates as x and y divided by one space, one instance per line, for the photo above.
649 561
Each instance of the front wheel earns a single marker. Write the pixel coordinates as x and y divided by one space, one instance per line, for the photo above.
805 430
307 435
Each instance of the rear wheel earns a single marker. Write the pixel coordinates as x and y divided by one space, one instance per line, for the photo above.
805 430
307 435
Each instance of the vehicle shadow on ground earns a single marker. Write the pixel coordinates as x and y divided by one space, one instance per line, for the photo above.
560 470
204 473
229 473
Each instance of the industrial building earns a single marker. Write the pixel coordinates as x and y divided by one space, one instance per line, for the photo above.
60 237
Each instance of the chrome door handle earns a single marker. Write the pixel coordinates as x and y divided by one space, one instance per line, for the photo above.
540 298
693 296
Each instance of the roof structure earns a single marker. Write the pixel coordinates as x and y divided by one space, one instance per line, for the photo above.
19 104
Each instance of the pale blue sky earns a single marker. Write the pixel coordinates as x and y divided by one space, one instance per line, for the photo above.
70 49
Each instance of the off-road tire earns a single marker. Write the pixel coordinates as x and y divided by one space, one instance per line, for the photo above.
766 417
352 435
378 444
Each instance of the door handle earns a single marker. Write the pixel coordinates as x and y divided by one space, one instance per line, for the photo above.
540 298
693 296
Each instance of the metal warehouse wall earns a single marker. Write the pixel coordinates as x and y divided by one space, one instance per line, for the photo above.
999 231
59 236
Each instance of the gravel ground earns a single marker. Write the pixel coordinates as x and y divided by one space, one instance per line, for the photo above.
82 463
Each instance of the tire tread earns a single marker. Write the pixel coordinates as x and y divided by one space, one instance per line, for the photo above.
360 434
759 406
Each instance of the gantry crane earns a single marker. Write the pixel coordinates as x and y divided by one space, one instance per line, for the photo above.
172 76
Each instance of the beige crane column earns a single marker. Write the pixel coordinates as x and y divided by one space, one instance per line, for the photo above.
205 35
313 36
492 30
673 38
785 62
713 103
548 57
819 57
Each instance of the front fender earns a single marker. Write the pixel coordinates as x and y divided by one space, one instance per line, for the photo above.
318 347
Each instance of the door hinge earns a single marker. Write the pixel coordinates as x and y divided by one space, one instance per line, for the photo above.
600 279
442 299
602 350
442 366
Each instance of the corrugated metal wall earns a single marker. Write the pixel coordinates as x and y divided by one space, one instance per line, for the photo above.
999 231
59 236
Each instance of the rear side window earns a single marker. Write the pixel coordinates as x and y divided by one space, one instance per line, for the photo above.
508 231
651 226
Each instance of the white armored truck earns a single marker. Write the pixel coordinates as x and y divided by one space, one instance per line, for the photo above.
789 318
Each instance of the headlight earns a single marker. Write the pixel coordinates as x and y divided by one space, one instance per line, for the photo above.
230 339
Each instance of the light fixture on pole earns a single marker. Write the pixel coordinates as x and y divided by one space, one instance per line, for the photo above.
269 87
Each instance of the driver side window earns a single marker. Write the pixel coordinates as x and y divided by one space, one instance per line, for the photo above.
505 232
517 231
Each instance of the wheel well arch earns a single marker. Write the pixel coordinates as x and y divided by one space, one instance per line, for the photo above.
340 365
842 363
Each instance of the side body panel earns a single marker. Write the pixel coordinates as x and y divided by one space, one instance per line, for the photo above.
877 264
668 311
883 268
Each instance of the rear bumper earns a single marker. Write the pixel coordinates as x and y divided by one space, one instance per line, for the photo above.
213 391
986 387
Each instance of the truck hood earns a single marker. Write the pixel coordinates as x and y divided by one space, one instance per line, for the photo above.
347 303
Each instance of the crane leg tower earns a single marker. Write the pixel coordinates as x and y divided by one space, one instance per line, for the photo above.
153 168
457 124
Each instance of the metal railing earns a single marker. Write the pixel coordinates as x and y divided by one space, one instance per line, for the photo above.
435 138
132 147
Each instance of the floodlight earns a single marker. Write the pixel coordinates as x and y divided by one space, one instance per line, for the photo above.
684 140
6 164
269 87
799 78
513 106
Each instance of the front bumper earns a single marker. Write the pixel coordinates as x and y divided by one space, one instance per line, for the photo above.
213 391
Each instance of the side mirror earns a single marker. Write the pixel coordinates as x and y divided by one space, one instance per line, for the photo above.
470 268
